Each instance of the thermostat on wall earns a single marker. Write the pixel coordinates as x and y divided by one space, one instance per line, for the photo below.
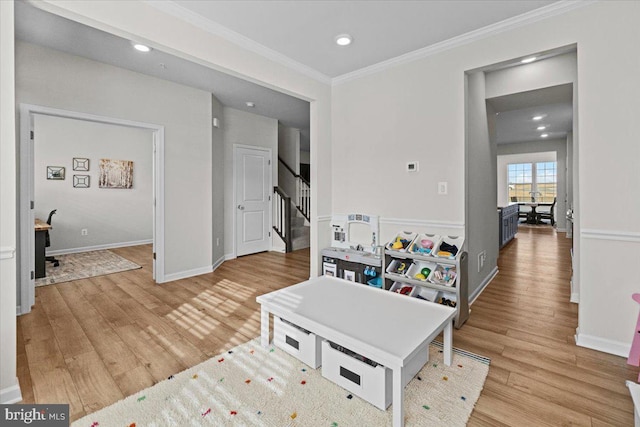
412 167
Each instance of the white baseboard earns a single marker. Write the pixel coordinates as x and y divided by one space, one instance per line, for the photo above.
187 273
218 263
11 394
602 344
228 257
99 247
483 285
575 297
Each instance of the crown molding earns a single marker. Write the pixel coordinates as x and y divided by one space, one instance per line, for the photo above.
171 8
545 12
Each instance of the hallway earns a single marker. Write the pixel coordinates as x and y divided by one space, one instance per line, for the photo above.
525 323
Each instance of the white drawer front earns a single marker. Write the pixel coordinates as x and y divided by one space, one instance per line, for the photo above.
300 344
372 384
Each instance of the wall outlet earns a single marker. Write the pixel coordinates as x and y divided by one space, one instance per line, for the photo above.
442 188
84 232
482 257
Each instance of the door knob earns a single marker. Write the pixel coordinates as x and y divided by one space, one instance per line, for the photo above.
241 207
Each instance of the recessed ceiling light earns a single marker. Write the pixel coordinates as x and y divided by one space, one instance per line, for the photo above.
141 47
343 40
528 60
250 104
541 128
544 135
536 118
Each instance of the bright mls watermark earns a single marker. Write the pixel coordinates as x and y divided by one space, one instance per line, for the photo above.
34 415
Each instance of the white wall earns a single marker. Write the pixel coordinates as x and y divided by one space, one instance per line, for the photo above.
289 152
9 387
78 84
480 182
423 119
242 128
554 71
112 217
305 157
218 165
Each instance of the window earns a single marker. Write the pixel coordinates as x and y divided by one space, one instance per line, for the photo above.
533 181
520 182
546 182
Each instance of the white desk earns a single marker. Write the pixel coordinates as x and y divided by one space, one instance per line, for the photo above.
386 327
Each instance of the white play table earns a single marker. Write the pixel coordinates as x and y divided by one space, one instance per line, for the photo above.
380 325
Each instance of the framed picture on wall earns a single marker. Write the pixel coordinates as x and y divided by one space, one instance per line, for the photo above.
81 181
115 174
55 172
80 164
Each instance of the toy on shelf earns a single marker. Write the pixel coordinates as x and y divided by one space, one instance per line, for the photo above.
402 241
420 270
402 289
449 247
443 275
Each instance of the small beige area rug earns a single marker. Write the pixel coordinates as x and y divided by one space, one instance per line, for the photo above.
255 386
85 264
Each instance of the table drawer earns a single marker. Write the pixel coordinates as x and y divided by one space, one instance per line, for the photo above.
299 343
372 384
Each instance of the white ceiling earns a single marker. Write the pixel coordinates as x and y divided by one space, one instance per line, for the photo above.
299 34
304 31
515 112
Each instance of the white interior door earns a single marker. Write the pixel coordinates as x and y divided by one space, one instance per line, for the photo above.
253 200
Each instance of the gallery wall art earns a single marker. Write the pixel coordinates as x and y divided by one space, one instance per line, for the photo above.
115 174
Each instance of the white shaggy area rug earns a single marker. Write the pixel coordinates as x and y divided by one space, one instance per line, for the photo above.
255 386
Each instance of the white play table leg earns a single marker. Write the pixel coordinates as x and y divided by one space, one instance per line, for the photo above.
448 343
264 327
398 398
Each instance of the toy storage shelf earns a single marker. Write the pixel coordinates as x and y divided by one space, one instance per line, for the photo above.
459 287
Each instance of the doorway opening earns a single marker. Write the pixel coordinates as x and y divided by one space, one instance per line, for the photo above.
29 115
515 113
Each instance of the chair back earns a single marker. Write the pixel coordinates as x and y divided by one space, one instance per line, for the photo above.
47 239
50 215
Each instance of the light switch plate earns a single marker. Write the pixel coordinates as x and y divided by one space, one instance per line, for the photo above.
442 188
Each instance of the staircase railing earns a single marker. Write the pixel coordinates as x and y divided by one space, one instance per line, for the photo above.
303 192
282 217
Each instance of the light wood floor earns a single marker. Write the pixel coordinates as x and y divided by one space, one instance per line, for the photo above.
92 342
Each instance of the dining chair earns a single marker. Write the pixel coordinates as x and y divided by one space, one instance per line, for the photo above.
546 212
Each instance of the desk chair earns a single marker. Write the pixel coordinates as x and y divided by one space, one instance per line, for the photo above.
47 241
543 213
